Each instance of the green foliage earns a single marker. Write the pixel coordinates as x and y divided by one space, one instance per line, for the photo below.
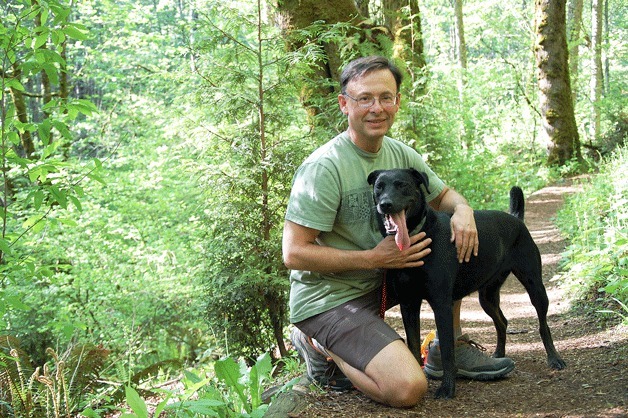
247 383
57 389
485 177
148 219
622 312
41 187
133 235
74 252
245 171
136 403
485 169
234 391
614 102
596 223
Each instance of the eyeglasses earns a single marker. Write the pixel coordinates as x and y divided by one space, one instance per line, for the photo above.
386 100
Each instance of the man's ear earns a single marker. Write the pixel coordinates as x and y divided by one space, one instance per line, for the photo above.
342 103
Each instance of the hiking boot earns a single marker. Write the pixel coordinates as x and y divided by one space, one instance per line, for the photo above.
334 379
320 367
471 361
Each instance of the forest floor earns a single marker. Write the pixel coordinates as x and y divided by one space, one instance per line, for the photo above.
594 383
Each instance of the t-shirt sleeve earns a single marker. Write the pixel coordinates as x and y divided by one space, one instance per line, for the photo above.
314 198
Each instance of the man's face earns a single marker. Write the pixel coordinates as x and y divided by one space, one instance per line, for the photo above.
367 126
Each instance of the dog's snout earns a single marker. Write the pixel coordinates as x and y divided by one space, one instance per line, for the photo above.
385 206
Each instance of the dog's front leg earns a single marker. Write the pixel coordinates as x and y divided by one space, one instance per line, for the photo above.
443 314
410 313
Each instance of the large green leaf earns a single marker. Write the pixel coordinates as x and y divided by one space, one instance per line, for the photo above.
228 371
136 403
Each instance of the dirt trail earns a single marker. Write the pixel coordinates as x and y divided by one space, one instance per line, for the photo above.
594 384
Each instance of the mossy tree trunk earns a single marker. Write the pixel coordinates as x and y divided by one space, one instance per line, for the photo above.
46 89
26 139
300 14
466 132
397 20
556 103
575 30
596 65
461 45
363 7
403 17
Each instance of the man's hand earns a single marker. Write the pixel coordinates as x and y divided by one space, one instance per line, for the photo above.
464 232
390 257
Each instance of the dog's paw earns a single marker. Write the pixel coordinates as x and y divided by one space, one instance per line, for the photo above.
499 354
445 392
556 363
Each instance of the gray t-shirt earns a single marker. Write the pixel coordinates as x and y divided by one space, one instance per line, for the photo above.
330 193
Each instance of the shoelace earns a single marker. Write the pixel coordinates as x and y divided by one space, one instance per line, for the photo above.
474 344
476 350
332 370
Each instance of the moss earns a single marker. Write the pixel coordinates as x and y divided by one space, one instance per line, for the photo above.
552 114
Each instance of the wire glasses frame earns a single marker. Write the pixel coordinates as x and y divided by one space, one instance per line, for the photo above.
366 102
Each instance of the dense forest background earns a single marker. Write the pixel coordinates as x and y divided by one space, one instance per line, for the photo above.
148 149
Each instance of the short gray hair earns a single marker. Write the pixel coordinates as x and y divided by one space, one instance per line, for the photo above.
361 66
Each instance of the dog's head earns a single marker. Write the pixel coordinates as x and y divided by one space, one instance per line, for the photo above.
400 201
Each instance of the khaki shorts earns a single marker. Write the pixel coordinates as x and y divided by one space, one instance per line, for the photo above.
353 331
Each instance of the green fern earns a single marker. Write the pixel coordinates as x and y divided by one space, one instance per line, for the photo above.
55 389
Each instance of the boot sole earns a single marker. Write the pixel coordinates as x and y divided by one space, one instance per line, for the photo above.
483 376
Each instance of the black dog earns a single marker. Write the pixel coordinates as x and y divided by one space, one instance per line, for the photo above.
505 246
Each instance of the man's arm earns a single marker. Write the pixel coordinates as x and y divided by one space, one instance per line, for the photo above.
302 252
463 229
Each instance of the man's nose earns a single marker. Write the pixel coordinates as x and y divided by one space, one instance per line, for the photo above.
376 106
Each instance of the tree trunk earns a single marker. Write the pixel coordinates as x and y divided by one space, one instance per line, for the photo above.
462 45
363 7
277 314
575 28
607 43
403 17
299 14
64 89
45 80
274 305
28 146
556 105
596 64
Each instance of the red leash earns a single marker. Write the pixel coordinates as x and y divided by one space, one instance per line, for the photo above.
382 308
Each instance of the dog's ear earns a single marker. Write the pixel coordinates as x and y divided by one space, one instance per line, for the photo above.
421 178
373 176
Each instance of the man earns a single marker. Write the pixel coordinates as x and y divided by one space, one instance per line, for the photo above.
333 246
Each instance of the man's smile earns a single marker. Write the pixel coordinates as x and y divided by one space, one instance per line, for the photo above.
376 121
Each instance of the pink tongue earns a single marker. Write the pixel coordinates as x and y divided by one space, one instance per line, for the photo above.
402 238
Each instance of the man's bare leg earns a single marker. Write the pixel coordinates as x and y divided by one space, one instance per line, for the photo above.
393 377
457 326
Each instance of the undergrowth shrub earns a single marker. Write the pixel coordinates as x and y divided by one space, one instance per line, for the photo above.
61 387
229 389
596 223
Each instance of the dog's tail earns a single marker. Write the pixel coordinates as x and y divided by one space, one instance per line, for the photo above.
517 202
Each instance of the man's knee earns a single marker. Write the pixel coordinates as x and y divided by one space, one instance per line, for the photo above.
407 392
398 378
